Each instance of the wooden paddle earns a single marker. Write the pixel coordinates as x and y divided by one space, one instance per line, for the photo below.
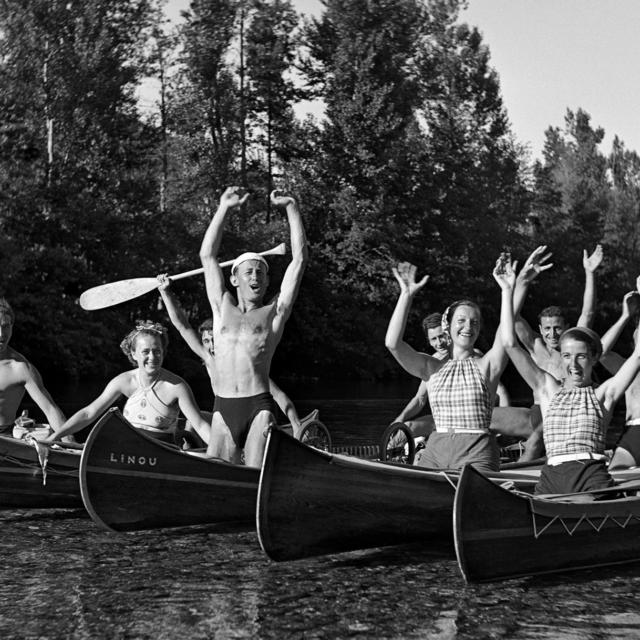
112 293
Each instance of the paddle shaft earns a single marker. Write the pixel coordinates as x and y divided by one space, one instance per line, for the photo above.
279 250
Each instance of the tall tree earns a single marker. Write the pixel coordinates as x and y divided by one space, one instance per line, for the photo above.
270 56
68 74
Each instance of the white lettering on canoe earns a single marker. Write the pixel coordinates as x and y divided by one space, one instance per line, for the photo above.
123 458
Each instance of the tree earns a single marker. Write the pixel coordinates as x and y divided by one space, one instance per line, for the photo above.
270 57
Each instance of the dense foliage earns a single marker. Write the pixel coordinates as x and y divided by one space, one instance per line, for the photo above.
413 159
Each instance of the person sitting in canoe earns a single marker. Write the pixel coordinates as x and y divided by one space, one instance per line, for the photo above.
422 426
154 395
461 389
627 451
575 414
18 375
246 333
544 345
202 344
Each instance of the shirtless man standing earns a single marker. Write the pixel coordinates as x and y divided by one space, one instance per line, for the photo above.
18 375
201 343
544 347
246 333
627 451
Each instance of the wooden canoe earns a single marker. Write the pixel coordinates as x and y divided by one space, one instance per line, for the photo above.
314 502
131 481
502 534
23 484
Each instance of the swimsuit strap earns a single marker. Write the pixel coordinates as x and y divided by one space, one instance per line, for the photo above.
141 387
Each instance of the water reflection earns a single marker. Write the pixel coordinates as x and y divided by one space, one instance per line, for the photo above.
63 577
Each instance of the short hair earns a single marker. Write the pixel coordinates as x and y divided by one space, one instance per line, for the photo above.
588 336
207 325
432 321
6 310
450 310
144 328
551 312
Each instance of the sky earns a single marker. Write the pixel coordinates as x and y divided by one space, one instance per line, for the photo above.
554 55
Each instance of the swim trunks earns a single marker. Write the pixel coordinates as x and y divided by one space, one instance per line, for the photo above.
238 413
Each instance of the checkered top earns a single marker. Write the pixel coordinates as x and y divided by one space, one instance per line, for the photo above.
574 423
459 397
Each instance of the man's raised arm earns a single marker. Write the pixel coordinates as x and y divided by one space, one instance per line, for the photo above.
590 264
535 264
213 276
179 318
299 254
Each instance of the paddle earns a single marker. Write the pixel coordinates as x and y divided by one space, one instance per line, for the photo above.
112 293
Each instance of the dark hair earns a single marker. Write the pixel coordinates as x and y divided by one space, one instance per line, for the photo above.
5 309
589 337
144 328
207 325
551 312
432 321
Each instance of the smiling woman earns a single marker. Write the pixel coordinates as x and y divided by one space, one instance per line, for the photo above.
462 387
154 395
575 414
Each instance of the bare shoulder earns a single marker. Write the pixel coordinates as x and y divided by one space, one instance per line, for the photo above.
17 366
171 378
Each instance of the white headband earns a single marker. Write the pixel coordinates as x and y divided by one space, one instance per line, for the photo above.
250 255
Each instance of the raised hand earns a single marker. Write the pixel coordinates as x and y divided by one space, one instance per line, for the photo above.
535 264
231 198
505 271
279 200
164 281
405 274
592 262
630 304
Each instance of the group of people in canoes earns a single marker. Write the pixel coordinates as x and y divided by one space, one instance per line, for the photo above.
245 330
569 417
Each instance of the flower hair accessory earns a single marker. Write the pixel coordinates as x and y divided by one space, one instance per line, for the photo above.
156 327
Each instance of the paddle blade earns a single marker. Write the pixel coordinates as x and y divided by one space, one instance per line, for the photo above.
108 295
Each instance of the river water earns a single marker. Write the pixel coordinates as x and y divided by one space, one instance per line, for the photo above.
63 577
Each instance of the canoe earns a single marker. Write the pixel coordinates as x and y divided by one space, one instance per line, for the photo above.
313 502
501 534
131 481
23 483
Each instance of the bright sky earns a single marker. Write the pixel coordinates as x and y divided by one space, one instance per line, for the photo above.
552 55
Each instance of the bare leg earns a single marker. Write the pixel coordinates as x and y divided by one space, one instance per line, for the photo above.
257 438
221 444
621 459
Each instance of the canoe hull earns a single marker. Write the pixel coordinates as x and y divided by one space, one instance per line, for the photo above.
22 482
499 534
129 481
312 502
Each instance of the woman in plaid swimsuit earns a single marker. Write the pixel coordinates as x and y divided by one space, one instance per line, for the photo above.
461 389
575 414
